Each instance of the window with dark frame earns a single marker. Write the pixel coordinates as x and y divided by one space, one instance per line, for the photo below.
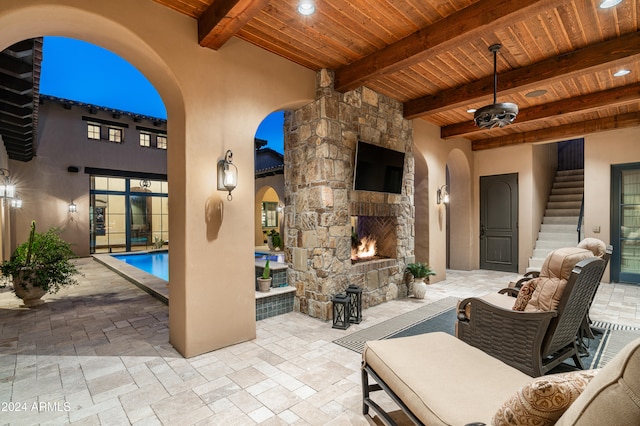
145 139
93 131
269 214
161 142
115 135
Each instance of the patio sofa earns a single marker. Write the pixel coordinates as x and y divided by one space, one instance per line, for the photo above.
436 379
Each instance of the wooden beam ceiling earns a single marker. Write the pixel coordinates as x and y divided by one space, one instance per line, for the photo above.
224 18
594 57
432 56
468 23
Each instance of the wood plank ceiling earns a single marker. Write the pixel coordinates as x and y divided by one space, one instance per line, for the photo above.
433 56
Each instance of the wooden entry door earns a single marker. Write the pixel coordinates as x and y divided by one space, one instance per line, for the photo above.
499 222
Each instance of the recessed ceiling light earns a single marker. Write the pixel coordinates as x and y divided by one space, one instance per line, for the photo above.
536 93
621 73
606 4
306 7
471 110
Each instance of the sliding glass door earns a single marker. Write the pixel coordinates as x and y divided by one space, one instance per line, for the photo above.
626 223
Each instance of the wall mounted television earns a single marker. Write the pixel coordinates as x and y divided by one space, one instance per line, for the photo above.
378 169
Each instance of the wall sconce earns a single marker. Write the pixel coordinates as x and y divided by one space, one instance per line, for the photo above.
16 203
73 208
227 174
443 195
7 189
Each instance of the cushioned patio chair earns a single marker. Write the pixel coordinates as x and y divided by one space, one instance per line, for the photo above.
599 249
541 332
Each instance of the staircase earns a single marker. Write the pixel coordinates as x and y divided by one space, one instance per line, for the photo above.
560 220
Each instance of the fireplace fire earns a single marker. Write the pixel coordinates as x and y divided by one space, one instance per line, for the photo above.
363 250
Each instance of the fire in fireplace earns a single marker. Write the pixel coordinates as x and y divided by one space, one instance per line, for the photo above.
363 249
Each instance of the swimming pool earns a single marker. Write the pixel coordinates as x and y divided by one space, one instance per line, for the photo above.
155 263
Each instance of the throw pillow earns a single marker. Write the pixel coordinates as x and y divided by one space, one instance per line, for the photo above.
544 400
546 296
524 295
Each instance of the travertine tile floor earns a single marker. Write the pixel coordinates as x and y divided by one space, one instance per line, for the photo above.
98 354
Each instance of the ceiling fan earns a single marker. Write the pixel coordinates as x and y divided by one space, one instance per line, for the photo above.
497 114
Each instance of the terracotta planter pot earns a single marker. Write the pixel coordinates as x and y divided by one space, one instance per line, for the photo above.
30 295
419 288
264 285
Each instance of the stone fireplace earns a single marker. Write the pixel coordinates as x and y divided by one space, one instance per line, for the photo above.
322 211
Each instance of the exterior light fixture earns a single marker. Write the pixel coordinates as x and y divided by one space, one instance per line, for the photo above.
443 195
227 174
497 114
355 303
606 4
7 189
621 73
73 208
306 7
16 203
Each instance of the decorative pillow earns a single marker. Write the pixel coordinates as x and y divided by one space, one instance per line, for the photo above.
524 295
544 400
546 295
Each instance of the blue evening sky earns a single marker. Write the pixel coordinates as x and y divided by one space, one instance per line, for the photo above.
81 71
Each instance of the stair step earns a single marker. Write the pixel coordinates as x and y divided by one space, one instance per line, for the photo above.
555 228
569 184
548 245
560 220
564 205
566 197
559 236
570 172
569 190
562 212
569 178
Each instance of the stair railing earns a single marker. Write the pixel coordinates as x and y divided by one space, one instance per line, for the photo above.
580 219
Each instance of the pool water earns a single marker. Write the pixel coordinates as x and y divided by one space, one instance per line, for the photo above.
271 257
156 263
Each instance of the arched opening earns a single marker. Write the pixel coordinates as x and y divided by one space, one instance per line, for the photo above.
459 224
421 200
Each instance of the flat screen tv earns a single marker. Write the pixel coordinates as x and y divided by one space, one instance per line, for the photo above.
378 169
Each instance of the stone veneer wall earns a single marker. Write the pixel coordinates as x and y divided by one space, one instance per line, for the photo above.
320 144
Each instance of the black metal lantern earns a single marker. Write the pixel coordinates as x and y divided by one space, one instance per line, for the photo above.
341 311
355 303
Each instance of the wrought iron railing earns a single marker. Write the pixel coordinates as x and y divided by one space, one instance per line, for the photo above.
580 219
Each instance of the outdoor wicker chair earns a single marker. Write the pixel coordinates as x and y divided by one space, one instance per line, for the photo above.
599 249
534 341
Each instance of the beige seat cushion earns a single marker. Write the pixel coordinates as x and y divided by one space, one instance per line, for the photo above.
443 380
613 396
554 274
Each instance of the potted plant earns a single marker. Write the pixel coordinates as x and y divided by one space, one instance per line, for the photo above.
264 282
419 271
40 265
273 240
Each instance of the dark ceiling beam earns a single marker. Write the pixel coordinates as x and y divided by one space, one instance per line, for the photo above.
471 22
13 66
631 119
572 106
15 111
14 84
7 130
21 49
224 18
593 58
15 99
22 122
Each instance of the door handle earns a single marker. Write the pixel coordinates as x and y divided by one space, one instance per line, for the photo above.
481 231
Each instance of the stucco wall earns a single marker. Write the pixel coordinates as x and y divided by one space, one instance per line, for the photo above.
215 101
